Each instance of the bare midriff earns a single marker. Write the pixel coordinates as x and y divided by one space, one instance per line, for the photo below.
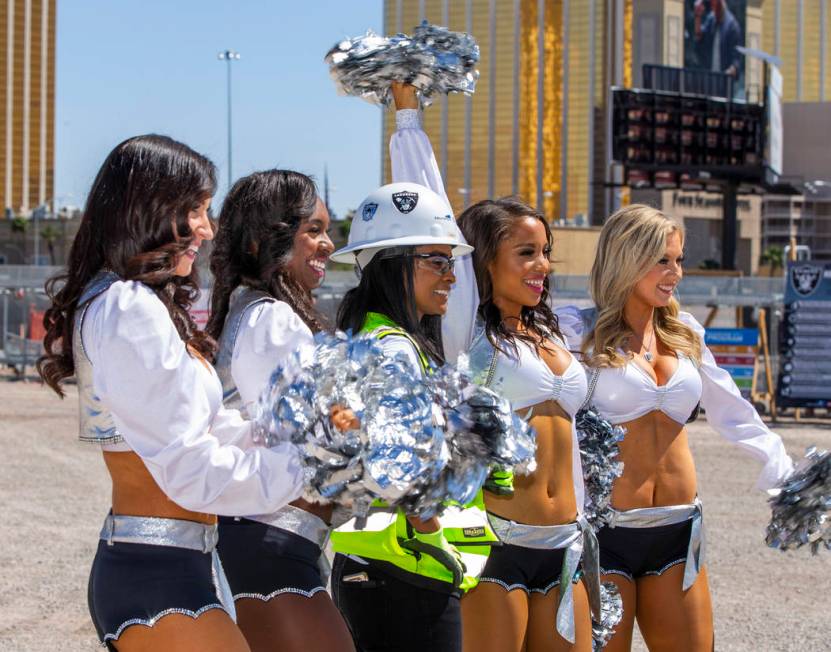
135 492
323 512
545 497
658 468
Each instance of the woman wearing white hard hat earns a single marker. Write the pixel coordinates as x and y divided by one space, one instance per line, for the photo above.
530 594
396 578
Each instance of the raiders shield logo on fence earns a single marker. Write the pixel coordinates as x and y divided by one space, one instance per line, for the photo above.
405 201
369 211
805 278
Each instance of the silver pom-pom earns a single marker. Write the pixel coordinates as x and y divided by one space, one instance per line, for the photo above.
434 60
611 613
482 432
800 508
599 449
422 440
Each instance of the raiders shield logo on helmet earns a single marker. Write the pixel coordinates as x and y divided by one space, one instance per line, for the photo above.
369 211
805 278
405 201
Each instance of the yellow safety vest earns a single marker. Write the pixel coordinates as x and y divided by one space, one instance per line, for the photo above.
378 536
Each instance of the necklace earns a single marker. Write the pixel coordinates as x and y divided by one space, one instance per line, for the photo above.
648 355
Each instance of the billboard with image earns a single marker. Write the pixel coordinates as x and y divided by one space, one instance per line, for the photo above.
712 30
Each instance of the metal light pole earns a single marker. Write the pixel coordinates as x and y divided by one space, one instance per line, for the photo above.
228 56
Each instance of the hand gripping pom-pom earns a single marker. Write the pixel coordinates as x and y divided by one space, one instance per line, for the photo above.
434 60
423 440
800 508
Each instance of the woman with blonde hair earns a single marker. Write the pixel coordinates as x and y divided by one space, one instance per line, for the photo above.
649 370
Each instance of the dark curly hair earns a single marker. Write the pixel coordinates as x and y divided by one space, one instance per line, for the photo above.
484 225
135 224
260 217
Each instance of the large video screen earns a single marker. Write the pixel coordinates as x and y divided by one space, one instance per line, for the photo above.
712 30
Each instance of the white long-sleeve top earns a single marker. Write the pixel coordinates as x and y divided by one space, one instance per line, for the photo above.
413 160
727 411
167 405
269 334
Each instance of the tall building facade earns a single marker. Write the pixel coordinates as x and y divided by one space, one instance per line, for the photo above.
27 104
799 33
538 123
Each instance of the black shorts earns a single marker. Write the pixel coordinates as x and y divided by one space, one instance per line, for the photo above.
530 569
386 613
640 552
263 561
136 583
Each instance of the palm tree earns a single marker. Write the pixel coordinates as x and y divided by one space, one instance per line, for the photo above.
773 256
50 235
19 225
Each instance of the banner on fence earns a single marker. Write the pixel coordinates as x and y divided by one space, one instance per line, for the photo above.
805 371
735 351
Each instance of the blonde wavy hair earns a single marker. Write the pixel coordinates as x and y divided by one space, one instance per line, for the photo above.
632 241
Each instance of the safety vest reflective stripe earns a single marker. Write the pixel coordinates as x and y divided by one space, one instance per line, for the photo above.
423 359
378 536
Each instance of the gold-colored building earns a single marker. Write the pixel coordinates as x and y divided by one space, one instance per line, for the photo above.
27 103
539 108
538 123
799 32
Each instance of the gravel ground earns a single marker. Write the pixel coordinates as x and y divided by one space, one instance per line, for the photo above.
55 493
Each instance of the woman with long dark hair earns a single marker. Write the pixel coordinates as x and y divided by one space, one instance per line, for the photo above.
530 595
651 369
269 254
119 323
397 578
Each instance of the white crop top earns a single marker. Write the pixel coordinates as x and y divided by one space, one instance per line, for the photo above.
526 380
167 406
624 394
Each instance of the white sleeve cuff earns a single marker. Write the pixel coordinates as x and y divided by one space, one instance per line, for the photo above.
408 119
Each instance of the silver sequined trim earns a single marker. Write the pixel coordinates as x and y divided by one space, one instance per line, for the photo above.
547 588
150 622
614 571
667 567
274 594
504 585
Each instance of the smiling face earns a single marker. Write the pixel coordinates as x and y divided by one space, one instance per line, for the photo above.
311 249
200 226
520 267
432 283
656 287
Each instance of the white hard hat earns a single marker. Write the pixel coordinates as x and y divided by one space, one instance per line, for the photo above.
400 215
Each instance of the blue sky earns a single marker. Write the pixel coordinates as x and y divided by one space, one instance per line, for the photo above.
126 67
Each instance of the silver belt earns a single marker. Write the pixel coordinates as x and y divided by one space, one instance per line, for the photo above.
298 521
304 524
579 542
646 517
176 533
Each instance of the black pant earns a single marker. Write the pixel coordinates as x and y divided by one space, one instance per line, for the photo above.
388 614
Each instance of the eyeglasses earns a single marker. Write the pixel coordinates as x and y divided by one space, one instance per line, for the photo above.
439 264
